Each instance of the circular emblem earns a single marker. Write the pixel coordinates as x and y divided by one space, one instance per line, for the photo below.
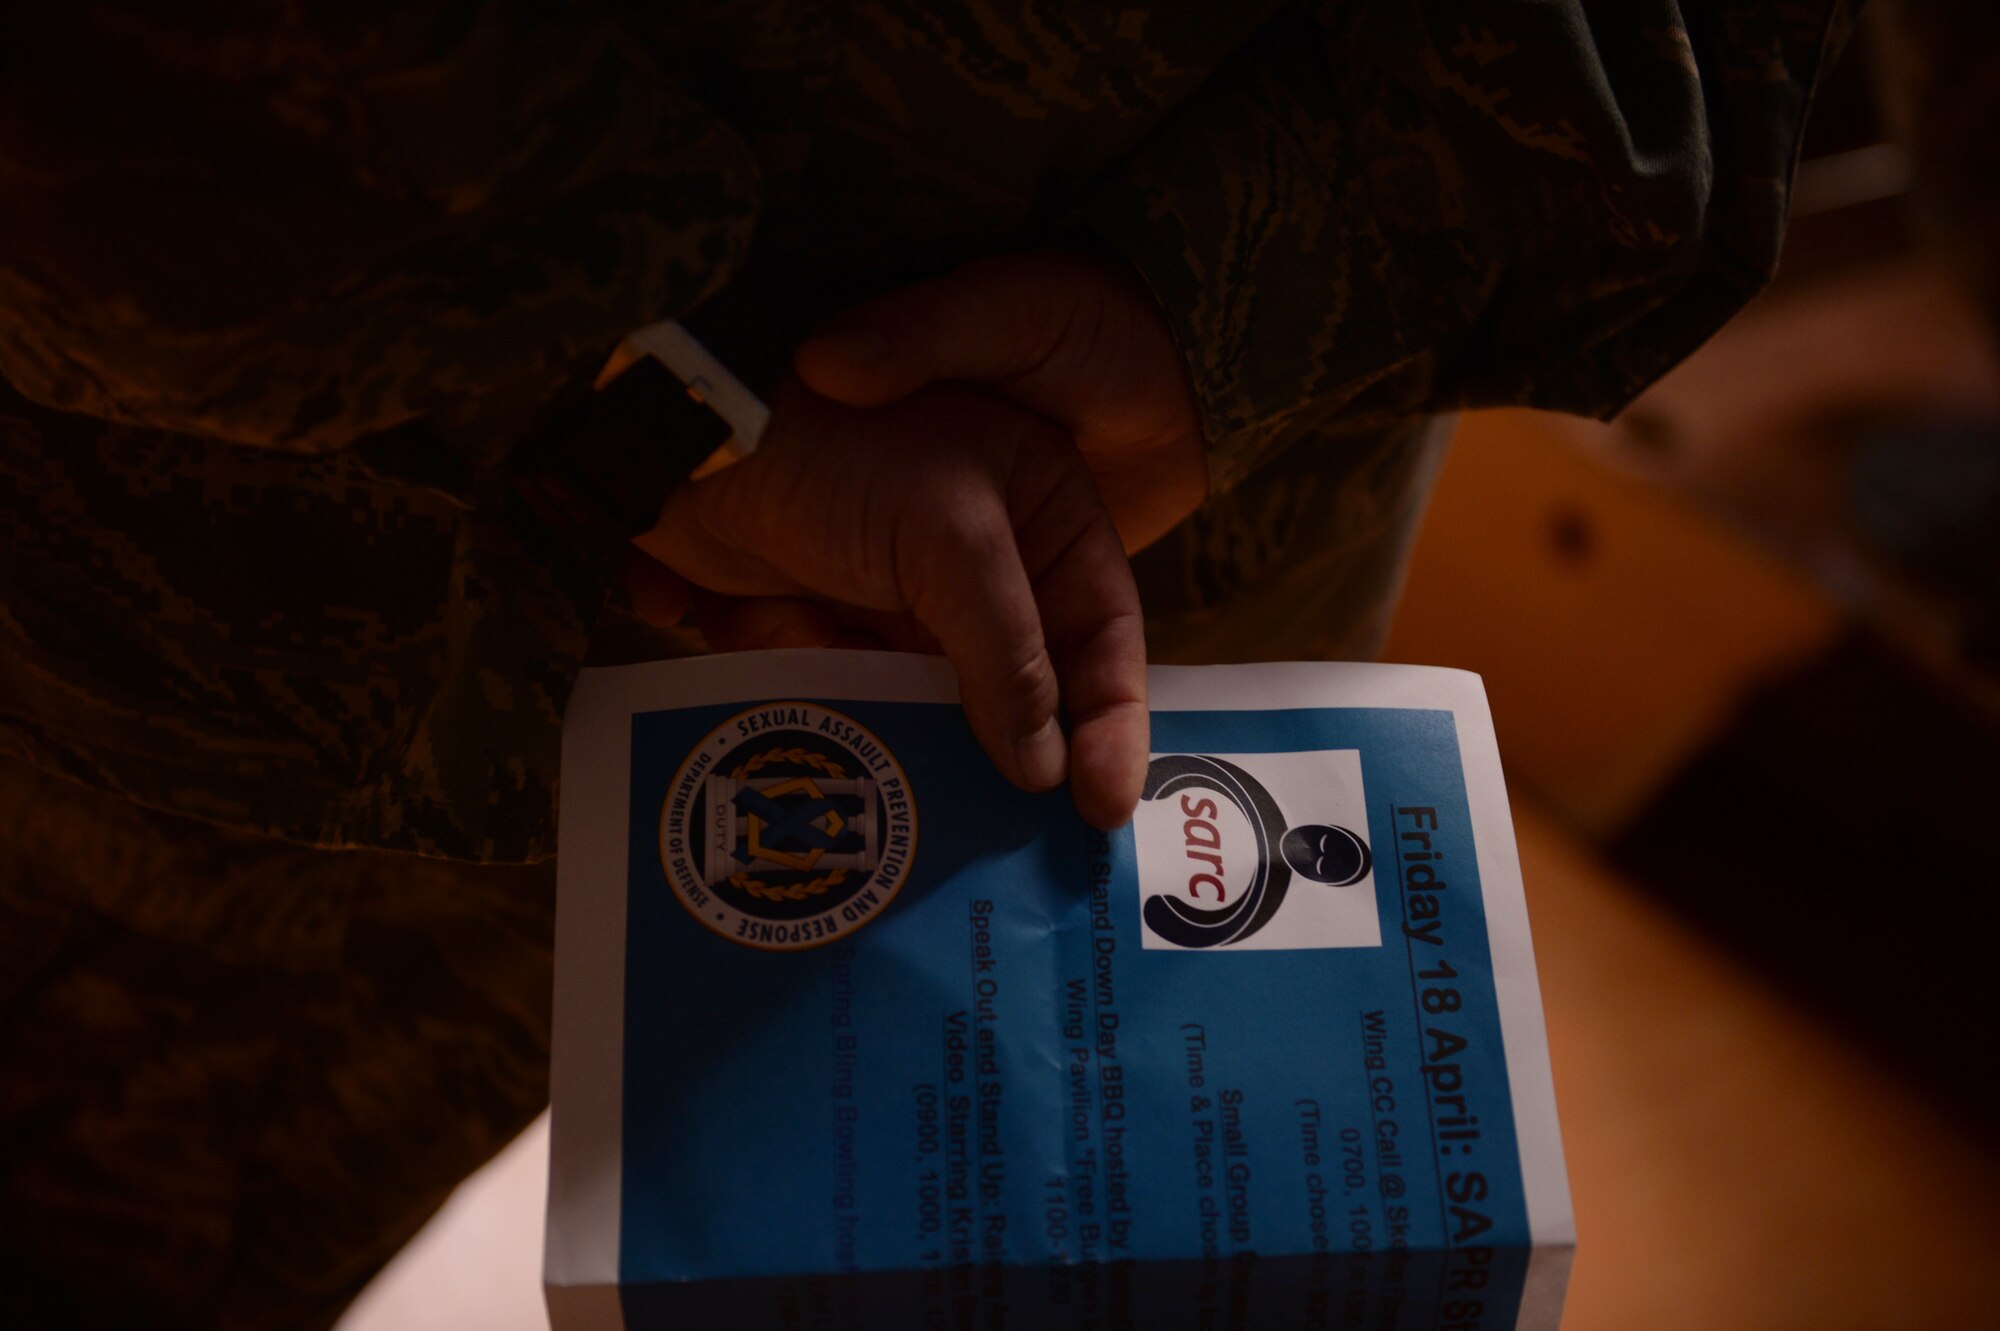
788 826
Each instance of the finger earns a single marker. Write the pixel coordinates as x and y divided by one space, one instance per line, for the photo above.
1091 619
981 323
968 587
760 623
709 532
656 593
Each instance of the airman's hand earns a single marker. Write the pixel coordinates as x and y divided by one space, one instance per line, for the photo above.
1072 337
947 520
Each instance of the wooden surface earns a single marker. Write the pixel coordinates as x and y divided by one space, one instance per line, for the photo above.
1614 626
1733 1164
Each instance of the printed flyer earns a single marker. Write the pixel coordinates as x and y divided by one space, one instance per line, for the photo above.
852 1034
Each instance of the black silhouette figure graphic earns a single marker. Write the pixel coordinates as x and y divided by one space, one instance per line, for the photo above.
1326 854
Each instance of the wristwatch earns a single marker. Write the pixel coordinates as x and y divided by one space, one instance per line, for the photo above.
662 410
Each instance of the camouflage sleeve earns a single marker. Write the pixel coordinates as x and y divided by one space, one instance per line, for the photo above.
297 226
283 288
1381 210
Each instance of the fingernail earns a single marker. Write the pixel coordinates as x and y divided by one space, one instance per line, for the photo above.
856 346
1042 756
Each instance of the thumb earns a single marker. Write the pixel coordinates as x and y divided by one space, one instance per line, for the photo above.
990 321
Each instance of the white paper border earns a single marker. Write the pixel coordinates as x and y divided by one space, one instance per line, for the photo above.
586 1067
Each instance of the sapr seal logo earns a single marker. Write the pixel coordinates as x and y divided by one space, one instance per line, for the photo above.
1256 851
789 826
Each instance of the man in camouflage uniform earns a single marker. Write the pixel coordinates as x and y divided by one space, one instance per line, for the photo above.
288 295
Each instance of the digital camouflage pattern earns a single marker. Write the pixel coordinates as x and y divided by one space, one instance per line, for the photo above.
287 290
374 240
236 1074
1413 207
283 288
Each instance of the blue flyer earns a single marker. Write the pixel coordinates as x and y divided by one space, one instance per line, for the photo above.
852 1034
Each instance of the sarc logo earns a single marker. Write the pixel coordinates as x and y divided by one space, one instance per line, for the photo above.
1220 859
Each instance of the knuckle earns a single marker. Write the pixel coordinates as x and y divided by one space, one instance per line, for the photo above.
975 532
1026 681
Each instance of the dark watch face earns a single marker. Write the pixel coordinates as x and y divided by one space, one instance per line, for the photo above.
620 451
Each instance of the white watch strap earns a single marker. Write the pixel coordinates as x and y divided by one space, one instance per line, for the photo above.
706 378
